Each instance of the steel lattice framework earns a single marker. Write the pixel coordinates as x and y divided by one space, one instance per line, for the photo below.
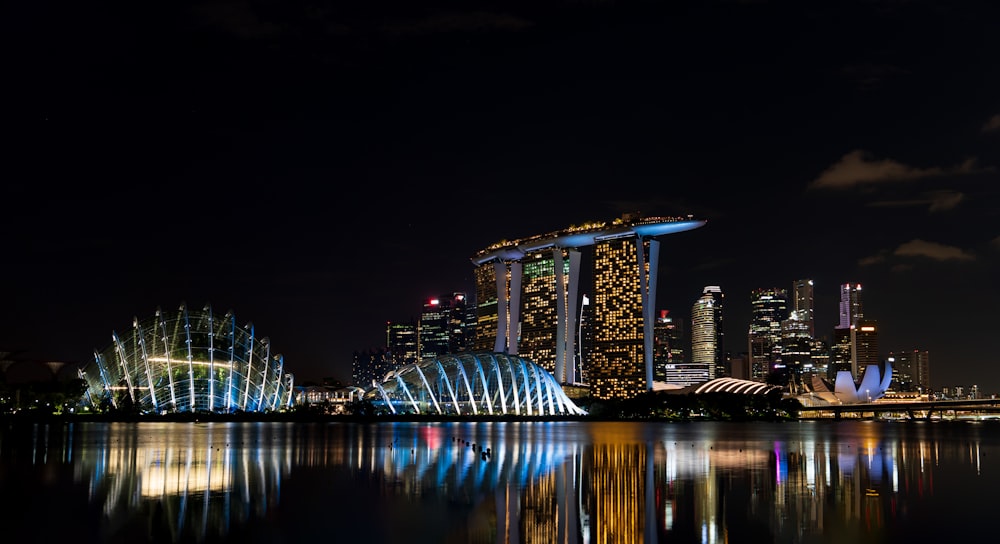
190 361
480 383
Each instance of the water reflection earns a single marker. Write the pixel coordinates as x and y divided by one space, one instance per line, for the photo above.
565 482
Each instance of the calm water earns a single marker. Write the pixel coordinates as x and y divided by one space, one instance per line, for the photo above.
848 481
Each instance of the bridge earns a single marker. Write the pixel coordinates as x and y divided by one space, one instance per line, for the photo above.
911 409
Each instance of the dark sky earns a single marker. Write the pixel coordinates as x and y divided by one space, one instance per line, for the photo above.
320 168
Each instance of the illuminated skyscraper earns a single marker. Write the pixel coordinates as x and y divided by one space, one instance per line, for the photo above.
851 309
620 364
548 326
707 338
846 338
528 299
769 307
866 345
903 371
669 357
802 305
922 363
401 338
444 326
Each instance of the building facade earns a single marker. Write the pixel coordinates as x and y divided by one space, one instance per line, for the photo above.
769 308
529 300
707 336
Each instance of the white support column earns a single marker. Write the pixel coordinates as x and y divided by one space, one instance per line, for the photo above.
648 287
514 330
500 270
561 336
572 325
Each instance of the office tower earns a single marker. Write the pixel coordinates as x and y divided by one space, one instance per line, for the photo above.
769 307
841 352
444 326
922 364
865 346
521 284
668 348
707 337
903 371
819 358
461 323
851 309
401 339
796 348
802 305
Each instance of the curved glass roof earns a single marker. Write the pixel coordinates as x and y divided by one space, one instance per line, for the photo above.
187 362
480 383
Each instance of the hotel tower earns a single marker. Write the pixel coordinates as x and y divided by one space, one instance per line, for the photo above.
528 300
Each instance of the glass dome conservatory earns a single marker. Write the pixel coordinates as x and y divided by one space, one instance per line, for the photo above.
188 361
480 383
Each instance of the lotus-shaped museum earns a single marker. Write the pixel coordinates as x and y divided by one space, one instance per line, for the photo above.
187 361
480 383
874 383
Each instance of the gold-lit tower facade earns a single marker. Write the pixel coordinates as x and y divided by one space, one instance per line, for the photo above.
621 364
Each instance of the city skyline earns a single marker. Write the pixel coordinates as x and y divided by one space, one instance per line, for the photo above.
322 171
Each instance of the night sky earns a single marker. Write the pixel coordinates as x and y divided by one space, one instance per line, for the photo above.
320 168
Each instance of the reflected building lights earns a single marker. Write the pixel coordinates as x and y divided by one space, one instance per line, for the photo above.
522 479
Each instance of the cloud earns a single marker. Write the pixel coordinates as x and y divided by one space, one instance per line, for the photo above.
936 201
857 167
932 250
919 249
873 260
992 124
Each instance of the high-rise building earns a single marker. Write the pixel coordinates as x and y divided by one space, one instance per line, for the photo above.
851 309
865 342
528 298
624 288
707 337
668 347
802 305
444 326
844 355
796 347
769 308
401 339
922 364
548 328
903 371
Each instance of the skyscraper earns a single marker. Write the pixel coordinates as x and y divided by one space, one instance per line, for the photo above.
802 305
851 309
548 317
401 339
922 364
769 308
528 299
669 355
444 326
903 371
621 365
707 337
